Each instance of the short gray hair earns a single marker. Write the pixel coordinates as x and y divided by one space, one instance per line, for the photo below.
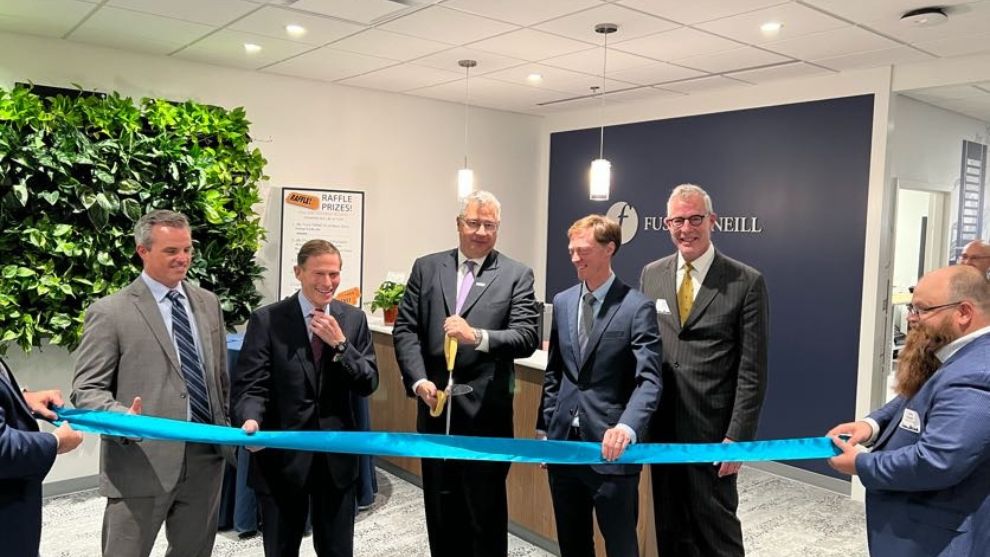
483 199
142 230
967 283
690 190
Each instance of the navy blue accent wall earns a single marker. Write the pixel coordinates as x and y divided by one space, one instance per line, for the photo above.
798 173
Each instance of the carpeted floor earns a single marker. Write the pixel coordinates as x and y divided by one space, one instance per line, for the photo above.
781 518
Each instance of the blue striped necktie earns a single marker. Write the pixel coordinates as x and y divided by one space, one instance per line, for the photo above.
192 369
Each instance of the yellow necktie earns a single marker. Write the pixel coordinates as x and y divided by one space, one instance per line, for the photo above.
685 294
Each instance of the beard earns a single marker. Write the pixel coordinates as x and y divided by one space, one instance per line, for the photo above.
917 362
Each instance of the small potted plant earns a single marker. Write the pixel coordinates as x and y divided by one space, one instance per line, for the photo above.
387 298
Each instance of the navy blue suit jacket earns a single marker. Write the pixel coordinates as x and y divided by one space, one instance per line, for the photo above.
26 456
618 378
928 491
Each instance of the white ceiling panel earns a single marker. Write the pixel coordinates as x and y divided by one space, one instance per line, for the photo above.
957 46
876 58
521 12
557 79
361 11
491 93
327 64
735 59
676 44
657 72
449 26
966 19
632 24
138 32
402 78
590 61
778 73
695 11
705 84
796 21
271 21
828 44
389 45
529 44
214 12
487 61
877 10
226 48
951 93
51 18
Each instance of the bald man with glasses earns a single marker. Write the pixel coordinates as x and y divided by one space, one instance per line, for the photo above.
976 254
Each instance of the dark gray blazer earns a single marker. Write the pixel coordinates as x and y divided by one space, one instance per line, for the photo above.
501 302
715 366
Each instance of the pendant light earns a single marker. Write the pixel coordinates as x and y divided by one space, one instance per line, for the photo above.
600 175
465 176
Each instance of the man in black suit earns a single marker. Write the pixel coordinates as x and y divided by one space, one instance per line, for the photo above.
713 318
602 384
485 300
301 361
26 456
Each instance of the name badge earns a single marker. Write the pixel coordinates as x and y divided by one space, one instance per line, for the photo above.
911 421
480 283
662 307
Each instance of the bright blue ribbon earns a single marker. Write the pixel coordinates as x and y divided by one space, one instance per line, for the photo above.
443 446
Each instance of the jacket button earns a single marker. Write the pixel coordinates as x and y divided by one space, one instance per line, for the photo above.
677 364
182 395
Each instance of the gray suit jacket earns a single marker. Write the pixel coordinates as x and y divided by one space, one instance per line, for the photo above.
715 366
125 352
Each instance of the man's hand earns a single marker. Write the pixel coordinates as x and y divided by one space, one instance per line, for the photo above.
40 401
858 432
728 468
845 462
68 438
326 327
455 326
614 443
427 391
251 427
137 407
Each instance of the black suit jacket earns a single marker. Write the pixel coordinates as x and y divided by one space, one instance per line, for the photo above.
26 456
277 384
501 302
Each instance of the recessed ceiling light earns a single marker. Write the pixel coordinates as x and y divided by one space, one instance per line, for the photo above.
925 17
295 30
252 48
771 27
534 78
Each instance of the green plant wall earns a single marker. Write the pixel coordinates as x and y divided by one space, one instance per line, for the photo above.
77 171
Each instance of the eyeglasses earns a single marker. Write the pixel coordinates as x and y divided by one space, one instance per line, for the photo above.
472 225
678 222
965 257
916 311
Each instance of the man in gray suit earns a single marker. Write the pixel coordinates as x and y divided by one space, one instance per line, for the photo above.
713 318
158 346
485 301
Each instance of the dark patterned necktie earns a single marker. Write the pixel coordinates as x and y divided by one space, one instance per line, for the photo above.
587 319
316 343
192 369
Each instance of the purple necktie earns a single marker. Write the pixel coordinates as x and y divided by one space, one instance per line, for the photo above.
466 283
316 343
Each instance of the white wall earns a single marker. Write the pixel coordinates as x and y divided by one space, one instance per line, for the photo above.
403 151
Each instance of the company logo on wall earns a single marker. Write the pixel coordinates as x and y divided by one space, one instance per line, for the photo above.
627 217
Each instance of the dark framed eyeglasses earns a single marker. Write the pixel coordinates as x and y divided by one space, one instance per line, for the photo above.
918 311
678 222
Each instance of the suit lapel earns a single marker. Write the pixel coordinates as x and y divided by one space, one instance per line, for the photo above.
15 389
613 299
484 278
147 306
294 321
568 316
448 281
668 287
891 427
707 291
198 305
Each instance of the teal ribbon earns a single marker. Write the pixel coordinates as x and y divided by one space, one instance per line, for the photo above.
457 447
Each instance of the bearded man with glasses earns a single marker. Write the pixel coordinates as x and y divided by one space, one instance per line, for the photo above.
713 318
927 477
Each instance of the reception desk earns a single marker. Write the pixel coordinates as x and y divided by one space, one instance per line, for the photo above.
530 508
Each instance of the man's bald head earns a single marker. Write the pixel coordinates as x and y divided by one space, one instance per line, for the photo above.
956 284
977 254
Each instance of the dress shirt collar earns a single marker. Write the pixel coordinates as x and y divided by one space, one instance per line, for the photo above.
159 290
600 292
307 307
701 264
946 352
461 259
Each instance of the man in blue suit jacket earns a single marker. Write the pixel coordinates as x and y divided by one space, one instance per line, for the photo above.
26 456
927 477
602 384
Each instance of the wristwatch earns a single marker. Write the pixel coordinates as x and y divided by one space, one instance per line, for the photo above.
477 337
338 351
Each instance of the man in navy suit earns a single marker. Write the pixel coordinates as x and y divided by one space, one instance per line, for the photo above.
303 361
602 384
927 477
26 456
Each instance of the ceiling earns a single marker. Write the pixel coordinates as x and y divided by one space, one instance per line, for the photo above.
662 47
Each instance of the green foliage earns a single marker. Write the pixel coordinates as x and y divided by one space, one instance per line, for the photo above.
75 175
388 295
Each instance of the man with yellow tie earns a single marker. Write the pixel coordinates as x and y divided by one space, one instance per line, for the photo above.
713 318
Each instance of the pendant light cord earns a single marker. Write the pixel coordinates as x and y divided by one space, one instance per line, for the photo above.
601 136
467 91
